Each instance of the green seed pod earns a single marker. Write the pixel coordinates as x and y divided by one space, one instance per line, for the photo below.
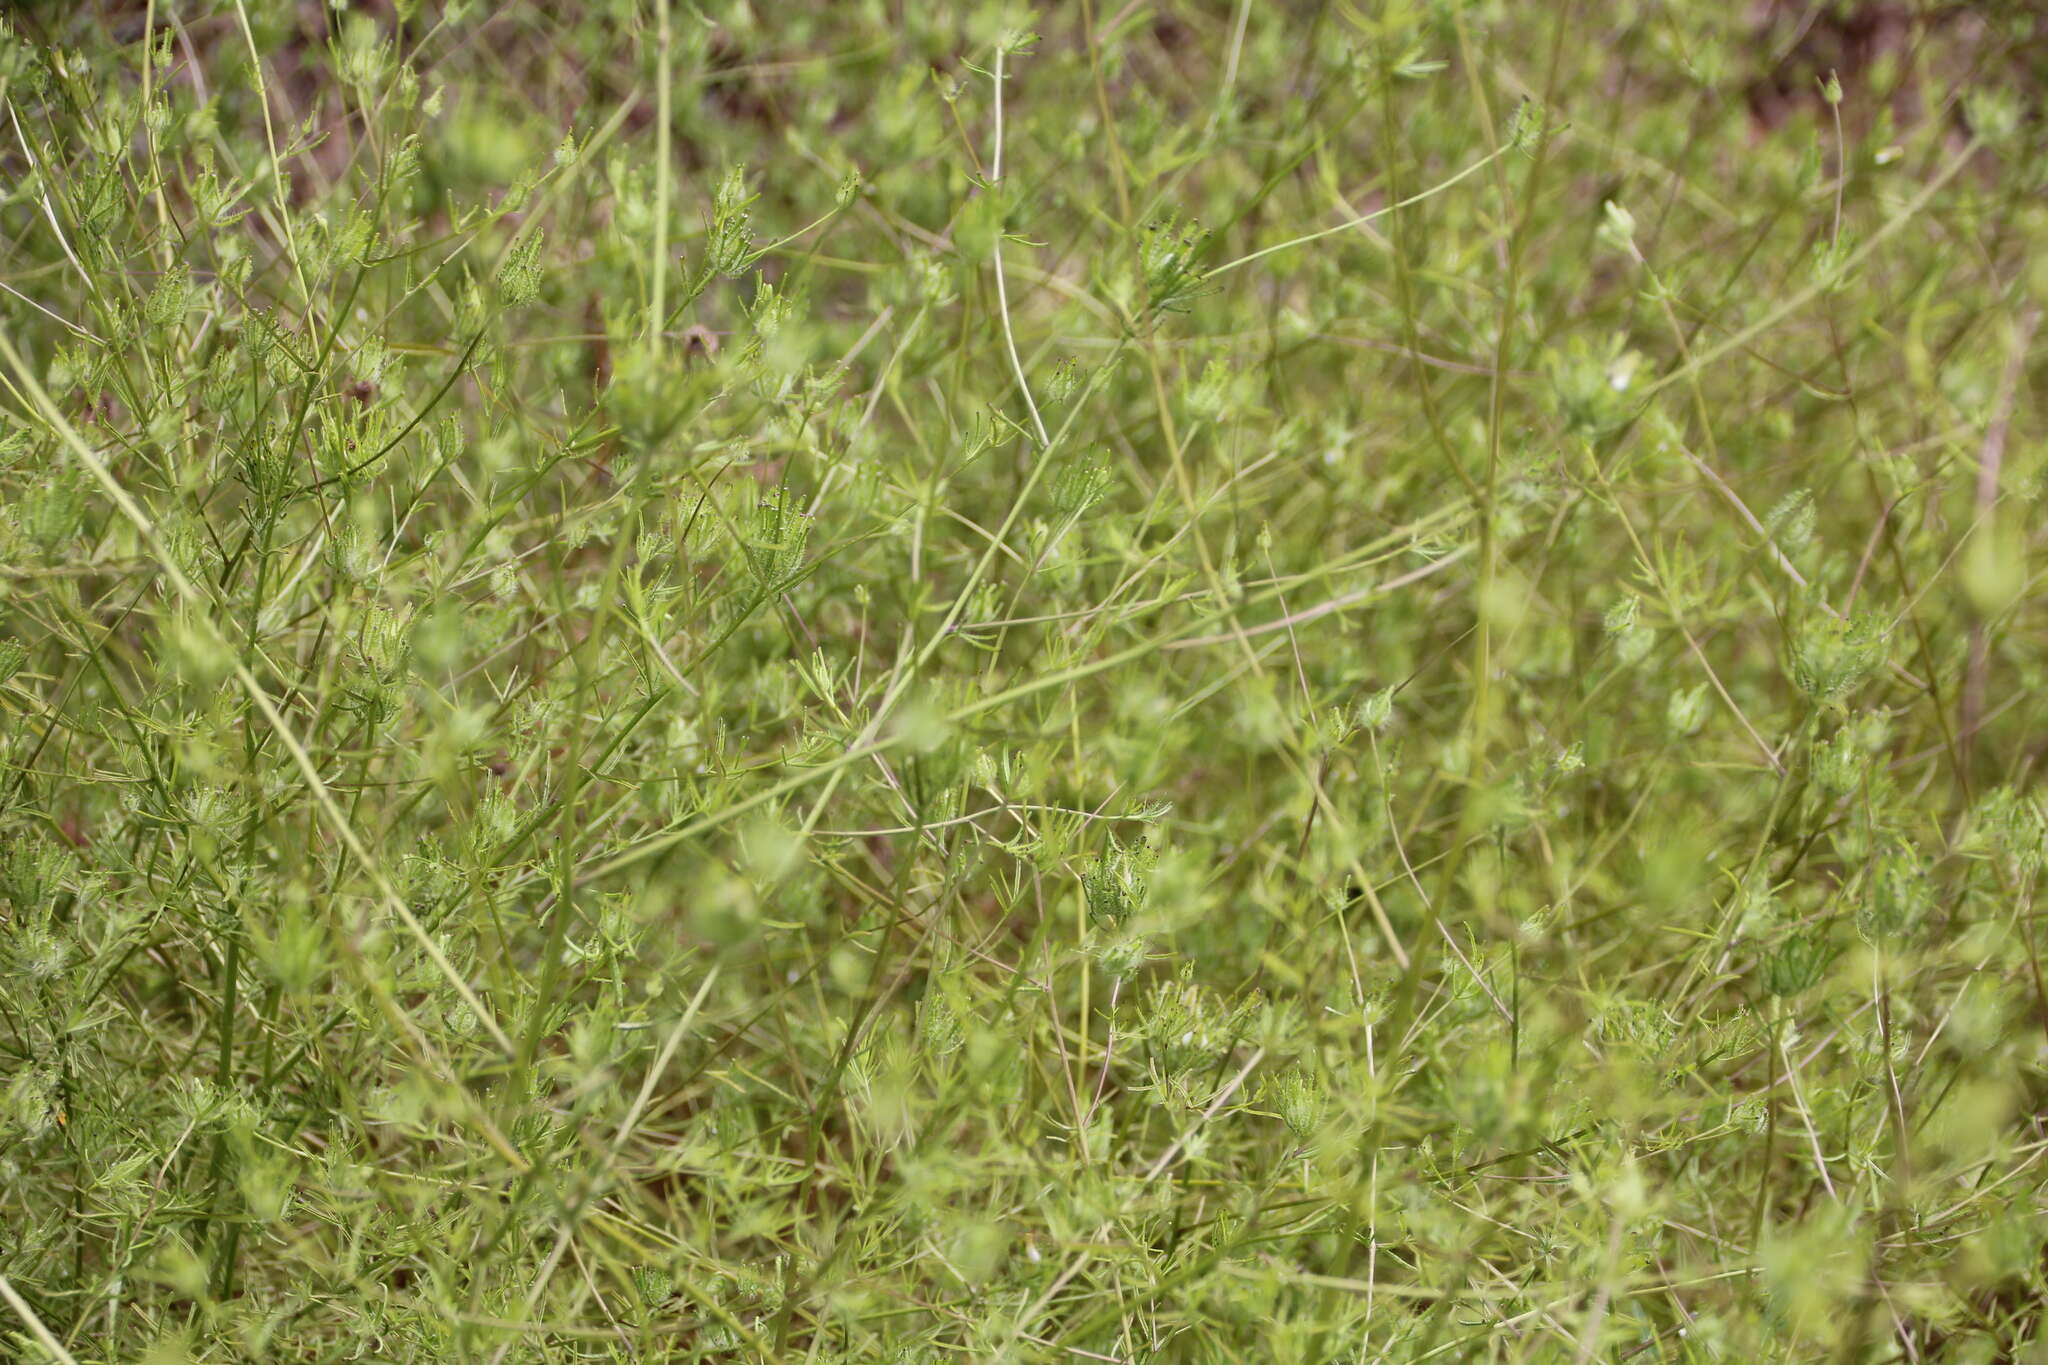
1839 764
1897 897
1121 958
1077 485
520 276
1832 656
1797 964
1686 712
730 247
1376 710
1790 522
1299 1098
1117 884
2011 824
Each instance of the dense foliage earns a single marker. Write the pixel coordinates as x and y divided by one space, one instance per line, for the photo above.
913 682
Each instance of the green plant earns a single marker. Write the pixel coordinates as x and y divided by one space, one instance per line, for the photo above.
696 682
